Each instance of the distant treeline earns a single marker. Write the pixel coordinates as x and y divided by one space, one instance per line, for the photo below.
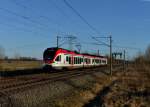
20 59
143 57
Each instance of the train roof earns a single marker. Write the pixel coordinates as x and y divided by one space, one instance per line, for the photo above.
55 48
75 52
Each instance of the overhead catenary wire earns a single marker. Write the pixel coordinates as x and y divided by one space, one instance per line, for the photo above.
16 28
85 21
19 28
27 18
35 12
23 17
18 4
81 17
102 43
126 47
115 46
59 9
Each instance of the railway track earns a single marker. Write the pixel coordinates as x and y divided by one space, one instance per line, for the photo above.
23 82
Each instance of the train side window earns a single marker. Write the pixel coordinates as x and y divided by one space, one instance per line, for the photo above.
88 61
99 61
67 58
104 62
85 60
78 60
74 60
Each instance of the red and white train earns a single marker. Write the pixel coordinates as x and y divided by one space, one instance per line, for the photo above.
58 58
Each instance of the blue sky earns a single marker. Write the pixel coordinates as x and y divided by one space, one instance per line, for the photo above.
27 27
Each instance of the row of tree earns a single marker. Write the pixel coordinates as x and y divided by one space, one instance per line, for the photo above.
2 52
144 57
16 57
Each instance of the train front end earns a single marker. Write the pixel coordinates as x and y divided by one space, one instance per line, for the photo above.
48 58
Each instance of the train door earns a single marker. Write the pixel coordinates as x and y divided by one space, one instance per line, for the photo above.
67 59
83 61
58 60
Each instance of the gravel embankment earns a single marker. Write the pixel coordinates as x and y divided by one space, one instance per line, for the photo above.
73 92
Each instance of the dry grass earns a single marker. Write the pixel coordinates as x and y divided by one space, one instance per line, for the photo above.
17 65
85 89
132 91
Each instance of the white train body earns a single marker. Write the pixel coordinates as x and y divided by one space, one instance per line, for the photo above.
59 58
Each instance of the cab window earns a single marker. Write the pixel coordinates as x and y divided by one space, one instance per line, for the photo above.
58 58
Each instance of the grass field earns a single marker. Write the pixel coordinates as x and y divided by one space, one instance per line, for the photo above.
132 89
19 65
122 89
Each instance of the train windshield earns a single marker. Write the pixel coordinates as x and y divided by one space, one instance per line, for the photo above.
49 54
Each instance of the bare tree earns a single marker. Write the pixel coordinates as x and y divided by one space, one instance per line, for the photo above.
147 53
2 52
17 55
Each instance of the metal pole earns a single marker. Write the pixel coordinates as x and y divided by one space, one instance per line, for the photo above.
124 60
57 41
70 41
98 52
110 55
